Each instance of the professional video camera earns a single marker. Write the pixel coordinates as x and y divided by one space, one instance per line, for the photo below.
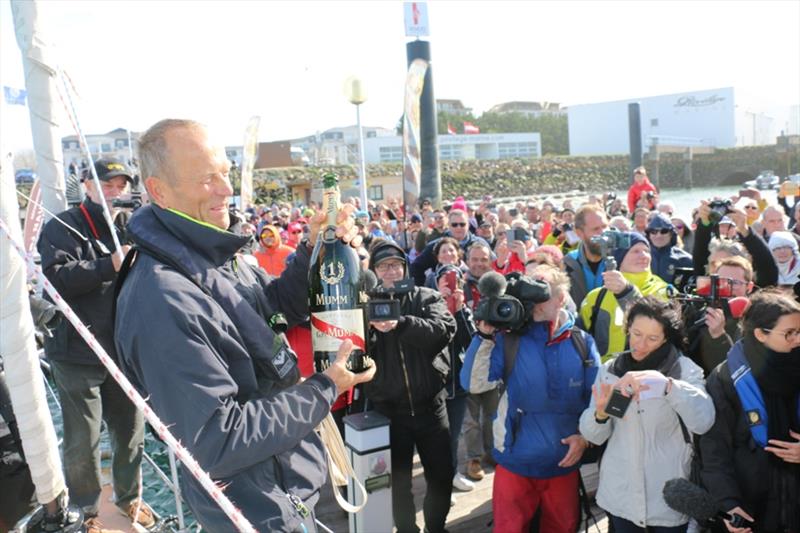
608 241
384 302
133 203
719 208
506 302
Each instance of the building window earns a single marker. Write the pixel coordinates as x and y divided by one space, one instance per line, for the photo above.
105 147
121 143
450 151
653 122
391 154
376 192
524 150
371 134
73 146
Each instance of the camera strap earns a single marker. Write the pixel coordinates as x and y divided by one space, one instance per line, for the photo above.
596 311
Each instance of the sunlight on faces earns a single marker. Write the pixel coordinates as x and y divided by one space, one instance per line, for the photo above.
448 255
594 224
658 239
741 287
459 225
637 259
784 254
198 184
773 220
645 336
112 189
479 261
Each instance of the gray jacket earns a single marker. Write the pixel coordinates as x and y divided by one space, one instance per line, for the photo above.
647 448
185 319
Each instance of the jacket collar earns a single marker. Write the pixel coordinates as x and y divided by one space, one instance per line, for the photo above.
172 232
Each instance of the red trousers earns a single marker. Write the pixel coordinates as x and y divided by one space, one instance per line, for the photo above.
516 498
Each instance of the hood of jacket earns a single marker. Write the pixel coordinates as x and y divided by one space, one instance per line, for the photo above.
272 230
660 221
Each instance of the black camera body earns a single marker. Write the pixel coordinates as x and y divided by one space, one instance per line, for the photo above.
510 309
384 303
719 208
133 203
608 241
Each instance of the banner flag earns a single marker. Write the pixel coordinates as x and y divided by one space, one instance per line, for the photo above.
412 162
249 156
15 96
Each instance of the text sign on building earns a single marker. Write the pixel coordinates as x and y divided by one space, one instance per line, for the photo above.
416 19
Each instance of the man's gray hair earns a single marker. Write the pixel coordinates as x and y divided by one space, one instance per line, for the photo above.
152 147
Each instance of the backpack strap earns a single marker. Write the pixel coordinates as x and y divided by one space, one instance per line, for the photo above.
596 310
578 337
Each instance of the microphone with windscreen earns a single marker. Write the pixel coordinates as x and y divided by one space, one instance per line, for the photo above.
687 498
492 285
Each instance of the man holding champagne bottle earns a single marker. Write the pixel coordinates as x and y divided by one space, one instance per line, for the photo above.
194 334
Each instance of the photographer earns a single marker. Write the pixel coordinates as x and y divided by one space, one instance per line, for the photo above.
764 267
409 389
601 310
564 235
584 266
645 402
640 189
547 385
751 455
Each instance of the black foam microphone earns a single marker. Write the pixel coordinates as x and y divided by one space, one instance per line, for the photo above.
368 280
687 498
492 285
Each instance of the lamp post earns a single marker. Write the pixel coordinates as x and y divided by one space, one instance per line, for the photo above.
356 94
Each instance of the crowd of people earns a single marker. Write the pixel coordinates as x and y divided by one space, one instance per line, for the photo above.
656 346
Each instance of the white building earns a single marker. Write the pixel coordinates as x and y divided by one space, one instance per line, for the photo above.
111 144
337 146
460 147
529 109
700 118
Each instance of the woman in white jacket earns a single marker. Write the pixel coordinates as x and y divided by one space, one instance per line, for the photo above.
651 443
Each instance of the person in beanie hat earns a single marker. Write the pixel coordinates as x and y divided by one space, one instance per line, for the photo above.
665 253
784 249
412 359
603 307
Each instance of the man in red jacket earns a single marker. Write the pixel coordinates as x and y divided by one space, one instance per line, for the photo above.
641 186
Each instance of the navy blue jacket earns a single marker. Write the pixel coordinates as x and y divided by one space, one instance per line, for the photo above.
182 340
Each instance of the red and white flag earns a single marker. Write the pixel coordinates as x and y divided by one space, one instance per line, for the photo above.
469 128
450 129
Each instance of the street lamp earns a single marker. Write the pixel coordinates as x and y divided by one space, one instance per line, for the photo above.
356 94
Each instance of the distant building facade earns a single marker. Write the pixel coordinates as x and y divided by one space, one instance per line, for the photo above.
452 107
460 147
115 143
529 109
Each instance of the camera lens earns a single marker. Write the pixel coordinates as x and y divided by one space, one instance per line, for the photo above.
504 309
382 310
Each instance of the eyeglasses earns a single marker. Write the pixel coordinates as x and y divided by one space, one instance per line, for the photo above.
385 267
662 231
457 224
296 232
788 334
751 207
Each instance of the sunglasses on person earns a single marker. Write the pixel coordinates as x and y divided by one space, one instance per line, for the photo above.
296 232
662 231
751 206
679 226
457 224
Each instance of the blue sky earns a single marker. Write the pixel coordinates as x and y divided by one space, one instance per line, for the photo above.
135 62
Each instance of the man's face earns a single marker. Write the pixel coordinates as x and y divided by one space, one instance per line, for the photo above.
533 214
659 237
198 185
594 224
479 261
390 271
741 287
438 220
773 221
548 311
459 226
640 220
637 259
111 189
486 232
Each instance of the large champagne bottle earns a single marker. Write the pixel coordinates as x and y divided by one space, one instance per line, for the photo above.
334 290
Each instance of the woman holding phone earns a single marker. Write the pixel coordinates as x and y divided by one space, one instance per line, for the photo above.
646 403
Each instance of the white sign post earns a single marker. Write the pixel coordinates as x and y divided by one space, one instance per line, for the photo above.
416 19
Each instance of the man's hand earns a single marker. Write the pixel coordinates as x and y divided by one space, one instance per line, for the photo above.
614 281
715 321
384 326
739 218
345 226
740 512
343 378
788 451
577 445
703 212
115 259
485 327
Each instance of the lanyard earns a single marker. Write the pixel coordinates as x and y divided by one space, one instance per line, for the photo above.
89 220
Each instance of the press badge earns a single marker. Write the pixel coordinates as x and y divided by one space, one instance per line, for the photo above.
283 357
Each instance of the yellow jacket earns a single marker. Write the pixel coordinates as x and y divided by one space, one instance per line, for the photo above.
608 333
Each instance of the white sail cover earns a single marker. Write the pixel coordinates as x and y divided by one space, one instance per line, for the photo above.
21 362
41 78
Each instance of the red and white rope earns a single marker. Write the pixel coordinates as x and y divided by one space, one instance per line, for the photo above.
241 523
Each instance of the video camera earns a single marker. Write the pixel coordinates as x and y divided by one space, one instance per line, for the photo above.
608 241
506 302
719 208
384 303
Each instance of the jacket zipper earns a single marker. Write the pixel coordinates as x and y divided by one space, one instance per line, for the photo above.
405 376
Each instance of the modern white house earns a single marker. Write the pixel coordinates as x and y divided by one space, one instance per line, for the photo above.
709 118
460 147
